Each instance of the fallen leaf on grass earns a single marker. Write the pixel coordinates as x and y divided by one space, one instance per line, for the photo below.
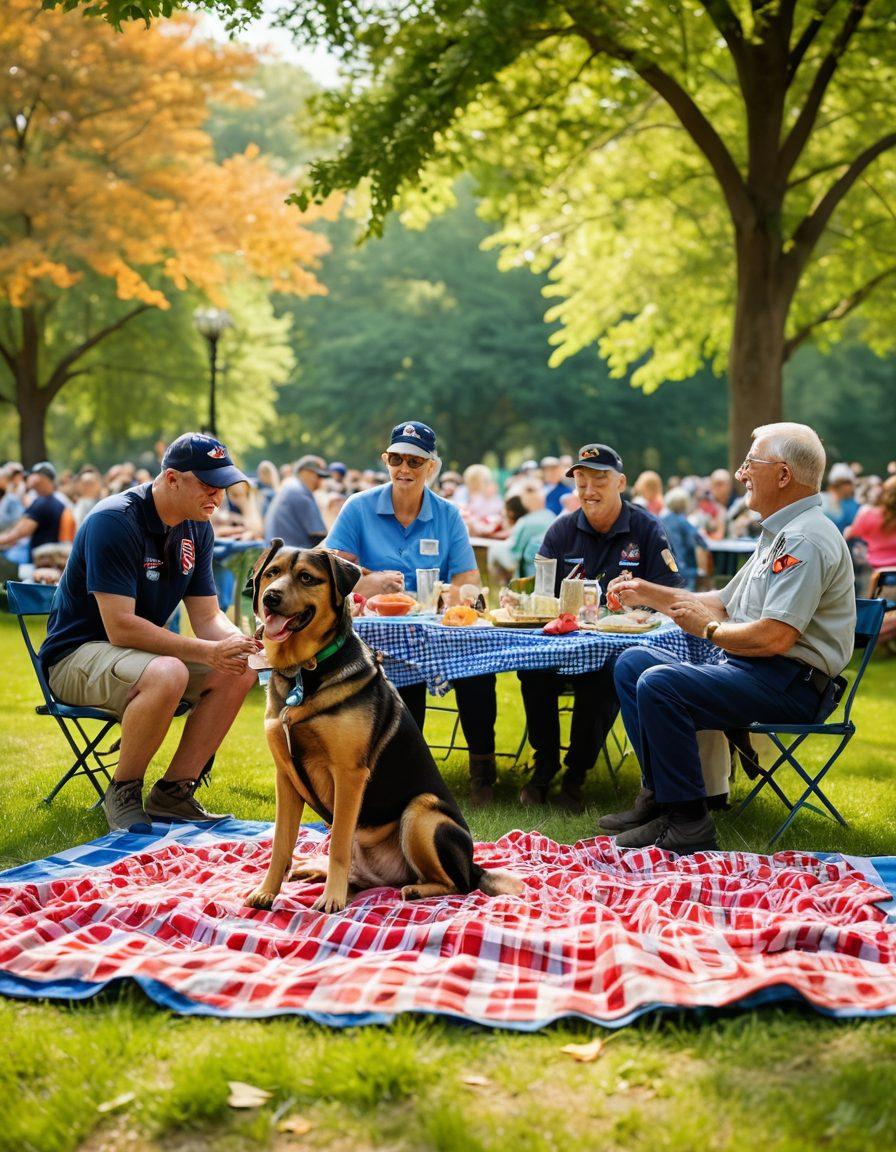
246 1095
584 1053
117 1102
476 1081
295 1125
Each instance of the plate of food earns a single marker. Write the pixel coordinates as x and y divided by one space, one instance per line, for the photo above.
631 623
391 604
502 618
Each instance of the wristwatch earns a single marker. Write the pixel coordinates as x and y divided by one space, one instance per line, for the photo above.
710 630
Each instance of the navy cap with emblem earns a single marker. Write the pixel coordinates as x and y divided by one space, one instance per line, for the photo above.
414 438
599 456
205 457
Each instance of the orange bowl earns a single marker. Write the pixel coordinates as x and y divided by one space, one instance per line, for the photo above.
391 604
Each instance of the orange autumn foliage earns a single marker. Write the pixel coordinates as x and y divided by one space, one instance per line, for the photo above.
106 169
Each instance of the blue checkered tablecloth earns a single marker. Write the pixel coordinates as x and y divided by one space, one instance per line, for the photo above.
418 650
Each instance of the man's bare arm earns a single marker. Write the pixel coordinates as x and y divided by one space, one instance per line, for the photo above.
24 530
635 593
764 637
127 630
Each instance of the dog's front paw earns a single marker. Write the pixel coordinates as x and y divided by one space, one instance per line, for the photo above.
330 902
261 899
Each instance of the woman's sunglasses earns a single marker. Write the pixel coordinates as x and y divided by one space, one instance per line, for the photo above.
394 460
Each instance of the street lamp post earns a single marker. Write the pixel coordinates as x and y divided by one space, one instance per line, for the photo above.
211 324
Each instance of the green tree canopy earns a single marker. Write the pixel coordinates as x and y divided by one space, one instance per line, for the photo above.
704 180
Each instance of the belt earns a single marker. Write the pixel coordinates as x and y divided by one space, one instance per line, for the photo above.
819 680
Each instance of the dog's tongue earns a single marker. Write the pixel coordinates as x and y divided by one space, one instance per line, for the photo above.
275 626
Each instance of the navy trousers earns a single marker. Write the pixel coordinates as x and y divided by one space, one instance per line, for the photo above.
665 703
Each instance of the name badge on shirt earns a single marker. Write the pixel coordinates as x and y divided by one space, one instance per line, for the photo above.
429 547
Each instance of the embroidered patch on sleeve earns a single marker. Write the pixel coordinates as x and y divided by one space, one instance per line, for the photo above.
782 563
669 559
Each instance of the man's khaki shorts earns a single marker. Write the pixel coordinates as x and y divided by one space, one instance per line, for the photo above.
99 675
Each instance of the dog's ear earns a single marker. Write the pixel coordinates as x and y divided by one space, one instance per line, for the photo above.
254 581
345 576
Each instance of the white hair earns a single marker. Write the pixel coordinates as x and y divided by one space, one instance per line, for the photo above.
799 447
678 500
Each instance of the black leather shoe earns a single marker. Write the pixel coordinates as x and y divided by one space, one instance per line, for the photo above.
686 836
644 835
643 810
570 798
533 794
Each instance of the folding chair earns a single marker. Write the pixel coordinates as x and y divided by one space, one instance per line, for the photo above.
884 583
27 601
869 617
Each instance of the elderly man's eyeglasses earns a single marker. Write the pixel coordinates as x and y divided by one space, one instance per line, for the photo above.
394 460
749 461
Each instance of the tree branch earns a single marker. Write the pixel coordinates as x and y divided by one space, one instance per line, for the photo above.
809 33
689 114
9 359
795 142
810 229
61 374
838 311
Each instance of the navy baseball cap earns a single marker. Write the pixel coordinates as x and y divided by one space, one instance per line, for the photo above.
414 438
599 456
205 457
338 466
44 468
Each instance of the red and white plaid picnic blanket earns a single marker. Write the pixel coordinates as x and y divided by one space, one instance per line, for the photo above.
599 933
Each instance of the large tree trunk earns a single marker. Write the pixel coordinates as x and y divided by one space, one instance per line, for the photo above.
756 359
31 401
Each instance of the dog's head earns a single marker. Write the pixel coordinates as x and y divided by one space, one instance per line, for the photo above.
299 594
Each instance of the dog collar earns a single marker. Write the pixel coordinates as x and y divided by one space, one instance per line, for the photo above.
296 694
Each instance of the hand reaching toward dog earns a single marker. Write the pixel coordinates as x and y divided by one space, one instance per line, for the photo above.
232 653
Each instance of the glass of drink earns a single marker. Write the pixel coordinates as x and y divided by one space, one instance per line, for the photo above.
427 587
545 575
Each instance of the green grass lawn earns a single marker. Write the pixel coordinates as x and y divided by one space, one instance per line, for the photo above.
781 1079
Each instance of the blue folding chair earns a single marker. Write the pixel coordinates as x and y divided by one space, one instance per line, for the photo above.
885 586
27 601
869 617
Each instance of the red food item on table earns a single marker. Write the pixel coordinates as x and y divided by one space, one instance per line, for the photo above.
613 602
562 625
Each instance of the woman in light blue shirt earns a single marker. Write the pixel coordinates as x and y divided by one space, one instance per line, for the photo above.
400 527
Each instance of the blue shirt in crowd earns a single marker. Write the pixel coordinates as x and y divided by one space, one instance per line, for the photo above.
685 539
368 528
294 516
124 549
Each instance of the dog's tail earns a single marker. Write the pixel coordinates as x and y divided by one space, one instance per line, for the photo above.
499 883
454 845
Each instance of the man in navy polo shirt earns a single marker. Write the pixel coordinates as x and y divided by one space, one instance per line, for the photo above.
135 558
606 536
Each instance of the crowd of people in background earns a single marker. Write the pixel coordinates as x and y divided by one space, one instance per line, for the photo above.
42 507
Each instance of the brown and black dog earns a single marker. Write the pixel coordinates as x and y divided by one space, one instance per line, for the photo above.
350 749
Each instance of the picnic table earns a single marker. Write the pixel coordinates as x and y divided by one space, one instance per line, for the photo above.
416 650
729 555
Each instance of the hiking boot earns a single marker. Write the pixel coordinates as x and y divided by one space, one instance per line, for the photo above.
644 835
481 795
643 810
533 794
123 805
175 801
570 798
684 836
483 774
